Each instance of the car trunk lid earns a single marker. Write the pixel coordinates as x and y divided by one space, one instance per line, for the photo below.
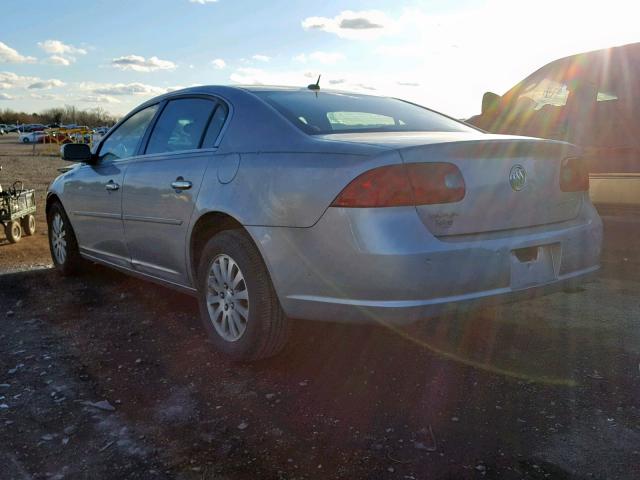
509 184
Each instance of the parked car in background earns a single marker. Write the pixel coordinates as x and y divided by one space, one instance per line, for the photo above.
11 128
98 133
31 127
271 203
592 100
3 128
32 137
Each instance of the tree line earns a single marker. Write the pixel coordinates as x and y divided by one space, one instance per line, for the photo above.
68 114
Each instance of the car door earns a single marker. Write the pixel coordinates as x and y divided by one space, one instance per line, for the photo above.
161 187
93 194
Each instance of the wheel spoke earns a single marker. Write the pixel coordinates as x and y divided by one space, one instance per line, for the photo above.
242 311
213 283
233 325
242 295
225 325
230 265
237 279
217 271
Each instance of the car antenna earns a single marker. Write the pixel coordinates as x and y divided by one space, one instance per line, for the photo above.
315 86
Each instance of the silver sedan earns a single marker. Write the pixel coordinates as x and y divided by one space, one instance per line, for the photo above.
270 204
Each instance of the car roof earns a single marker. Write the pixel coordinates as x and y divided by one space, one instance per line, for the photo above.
231 92
590 64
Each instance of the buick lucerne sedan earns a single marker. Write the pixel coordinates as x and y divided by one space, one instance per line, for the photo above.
271 204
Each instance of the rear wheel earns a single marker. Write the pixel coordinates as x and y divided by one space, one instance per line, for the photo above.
13 231
62 241
29 225
238 304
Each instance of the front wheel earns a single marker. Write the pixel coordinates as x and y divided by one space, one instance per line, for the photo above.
25 140
13 232
238 304
62 241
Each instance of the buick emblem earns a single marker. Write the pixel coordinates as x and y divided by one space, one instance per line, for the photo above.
517 178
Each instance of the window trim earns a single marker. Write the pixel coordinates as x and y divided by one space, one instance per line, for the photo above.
212 98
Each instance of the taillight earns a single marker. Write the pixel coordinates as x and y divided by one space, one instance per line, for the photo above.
402 185
574 175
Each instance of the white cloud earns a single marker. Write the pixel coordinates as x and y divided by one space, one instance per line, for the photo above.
46 84
202 2
11 80
261 58
325 58
99 99
10 55
134 88
141 64
56 47
5 96
259 76
61 53
45 96
302 78
361 25
58 60
219 63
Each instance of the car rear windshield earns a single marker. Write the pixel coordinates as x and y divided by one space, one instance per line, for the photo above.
319 113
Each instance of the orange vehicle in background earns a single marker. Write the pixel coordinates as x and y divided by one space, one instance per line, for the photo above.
592 100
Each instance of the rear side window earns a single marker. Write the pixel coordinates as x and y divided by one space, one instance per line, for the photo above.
181 125
215 126
334 112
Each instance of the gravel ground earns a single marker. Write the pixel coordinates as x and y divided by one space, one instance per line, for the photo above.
105 376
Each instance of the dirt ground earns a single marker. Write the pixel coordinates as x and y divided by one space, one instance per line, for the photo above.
104 376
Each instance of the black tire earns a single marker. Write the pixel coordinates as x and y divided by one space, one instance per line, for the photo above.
25 140
13 231
267 328
72 261
28 225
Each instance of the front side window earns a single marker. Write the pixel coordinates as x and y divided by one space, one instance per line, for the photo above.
181 125
332 112
123 142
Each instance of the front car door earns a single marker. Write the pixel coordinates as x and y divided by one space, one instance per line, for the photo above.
161 186
93 192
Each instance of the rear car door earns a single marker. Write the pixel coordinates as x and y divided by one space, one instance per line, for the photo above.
93 192
161 187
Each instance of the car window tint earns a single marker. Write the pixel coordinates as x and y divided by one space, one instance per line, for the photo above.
181 125
215 126
331 112
123 142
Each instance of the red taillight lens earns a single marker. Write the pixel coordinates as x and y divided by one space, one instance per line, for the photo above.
436 183
574 175
402 185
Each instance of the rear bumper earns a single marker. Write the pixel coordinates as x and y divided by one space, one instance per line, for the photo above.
383 265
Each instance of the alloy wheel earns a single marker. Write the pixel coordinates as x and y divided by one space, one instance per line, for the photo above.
58 238
227 298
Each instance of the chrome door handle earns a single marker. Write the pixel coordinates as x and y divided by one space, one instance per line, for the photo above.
112 186
181 184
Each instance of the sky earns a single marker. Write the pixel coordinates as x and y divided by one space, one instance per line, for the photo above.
441 54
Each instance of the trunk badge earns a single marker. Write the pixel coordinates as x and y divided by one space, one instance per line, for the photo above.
517 178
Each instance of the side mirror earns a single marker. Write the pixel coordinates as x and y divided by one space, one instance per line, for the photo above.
490 102
76 152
